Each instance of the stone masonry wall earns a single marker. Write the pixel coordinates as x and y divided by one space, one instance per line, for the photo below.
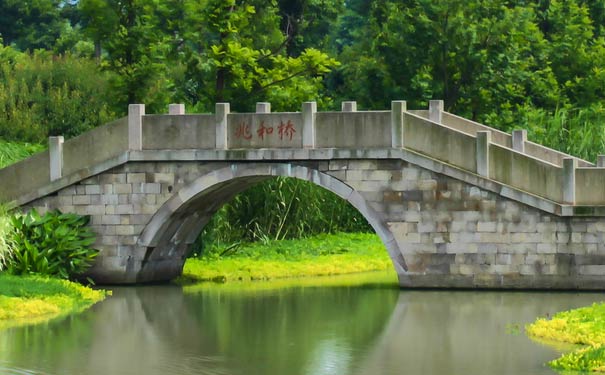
450 233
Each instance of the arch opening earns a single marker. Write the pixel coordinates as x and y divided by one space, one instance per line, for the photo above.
174 228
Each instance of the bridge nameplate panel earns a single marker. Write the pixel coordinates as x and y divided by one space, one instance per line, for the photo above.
264 130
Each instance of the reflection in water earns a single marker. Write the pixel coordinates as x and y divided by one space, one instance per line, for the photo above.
296 330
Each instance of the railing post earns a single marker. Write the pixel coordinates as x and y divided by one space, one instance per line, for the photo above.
221 112
349 106
263 107
483 140
519 139
176 109
398 107
569 180
601 161
309 109
135 126
55 150
436 110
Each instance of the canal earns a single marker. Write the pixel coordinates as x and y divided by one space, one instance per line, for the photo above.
348 325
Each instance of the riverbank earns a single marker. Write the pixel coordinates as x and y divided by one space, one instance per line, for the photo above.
31 299
584 326
322 255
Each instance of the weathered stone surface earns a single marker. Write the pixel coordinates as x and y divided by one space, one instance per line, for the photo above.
446 232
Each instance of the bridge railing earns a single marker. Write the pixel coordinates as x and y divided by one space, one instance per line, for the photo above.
509 159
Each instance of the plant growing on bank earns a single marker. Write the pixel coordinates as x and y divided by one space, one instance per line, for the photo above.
53 244
7 244
583 326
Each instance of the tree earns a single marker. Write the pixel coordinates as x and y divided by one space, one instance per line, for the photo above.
30 24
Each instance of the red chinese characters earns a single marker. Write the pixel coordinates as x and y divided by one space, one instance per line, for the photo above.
243 131
285 131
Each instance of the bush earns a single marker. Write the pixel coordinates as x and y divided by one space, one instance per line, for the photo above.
54 244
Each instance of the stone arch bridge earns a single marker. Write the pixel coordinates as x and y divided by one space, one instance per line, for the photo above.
456 203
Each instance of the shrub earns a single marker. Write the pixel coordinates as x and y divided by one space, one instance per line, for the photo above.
54 244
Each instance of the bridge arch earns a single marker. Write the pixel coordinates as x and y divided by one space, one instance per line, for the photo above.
177 223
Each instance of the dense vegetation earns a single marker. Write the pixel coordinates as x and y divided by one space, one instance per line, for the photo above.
584 326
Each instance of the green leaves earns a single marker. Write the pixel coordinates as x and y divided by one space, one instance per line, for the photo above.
54 244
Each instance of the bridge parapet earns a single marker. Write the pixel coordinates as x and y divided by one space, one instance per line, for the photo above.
508 160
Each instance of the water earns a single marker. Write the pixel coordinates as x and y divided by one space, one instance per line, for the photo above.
233 329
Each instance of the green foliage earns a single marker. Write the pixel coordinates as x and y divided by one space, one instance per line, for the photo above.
7 244
53 244
486 60
43 95
12 152
281 208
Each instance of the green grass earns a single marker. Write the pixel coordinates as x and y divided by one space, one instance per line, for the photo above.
326 254
584 326
33 299
12 152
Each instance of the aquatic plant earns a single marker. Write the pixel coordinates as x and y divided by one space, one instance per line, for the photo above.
583 326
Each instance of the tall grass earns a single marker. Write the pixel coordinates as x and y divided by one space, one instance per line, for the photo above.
7 244
575 131
12 152
277 209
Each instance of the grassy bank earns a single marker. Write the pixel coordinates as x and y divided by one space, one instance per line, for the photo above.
30 299
327 254
584 326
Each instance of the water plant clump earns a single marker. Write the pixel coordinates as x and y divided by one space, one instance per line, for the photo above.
584 326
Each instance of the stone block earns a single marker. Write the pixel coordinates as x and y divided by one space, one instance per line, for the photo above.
110 219
456 248
92 189
81 199
489 226
125 230
94 210
122 188
546 248
363 164
133 178
426 227
428 184
112 178
124 209
338 165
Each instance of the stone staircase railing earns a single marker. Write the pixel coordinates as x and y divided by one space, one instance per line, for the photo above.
508 159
